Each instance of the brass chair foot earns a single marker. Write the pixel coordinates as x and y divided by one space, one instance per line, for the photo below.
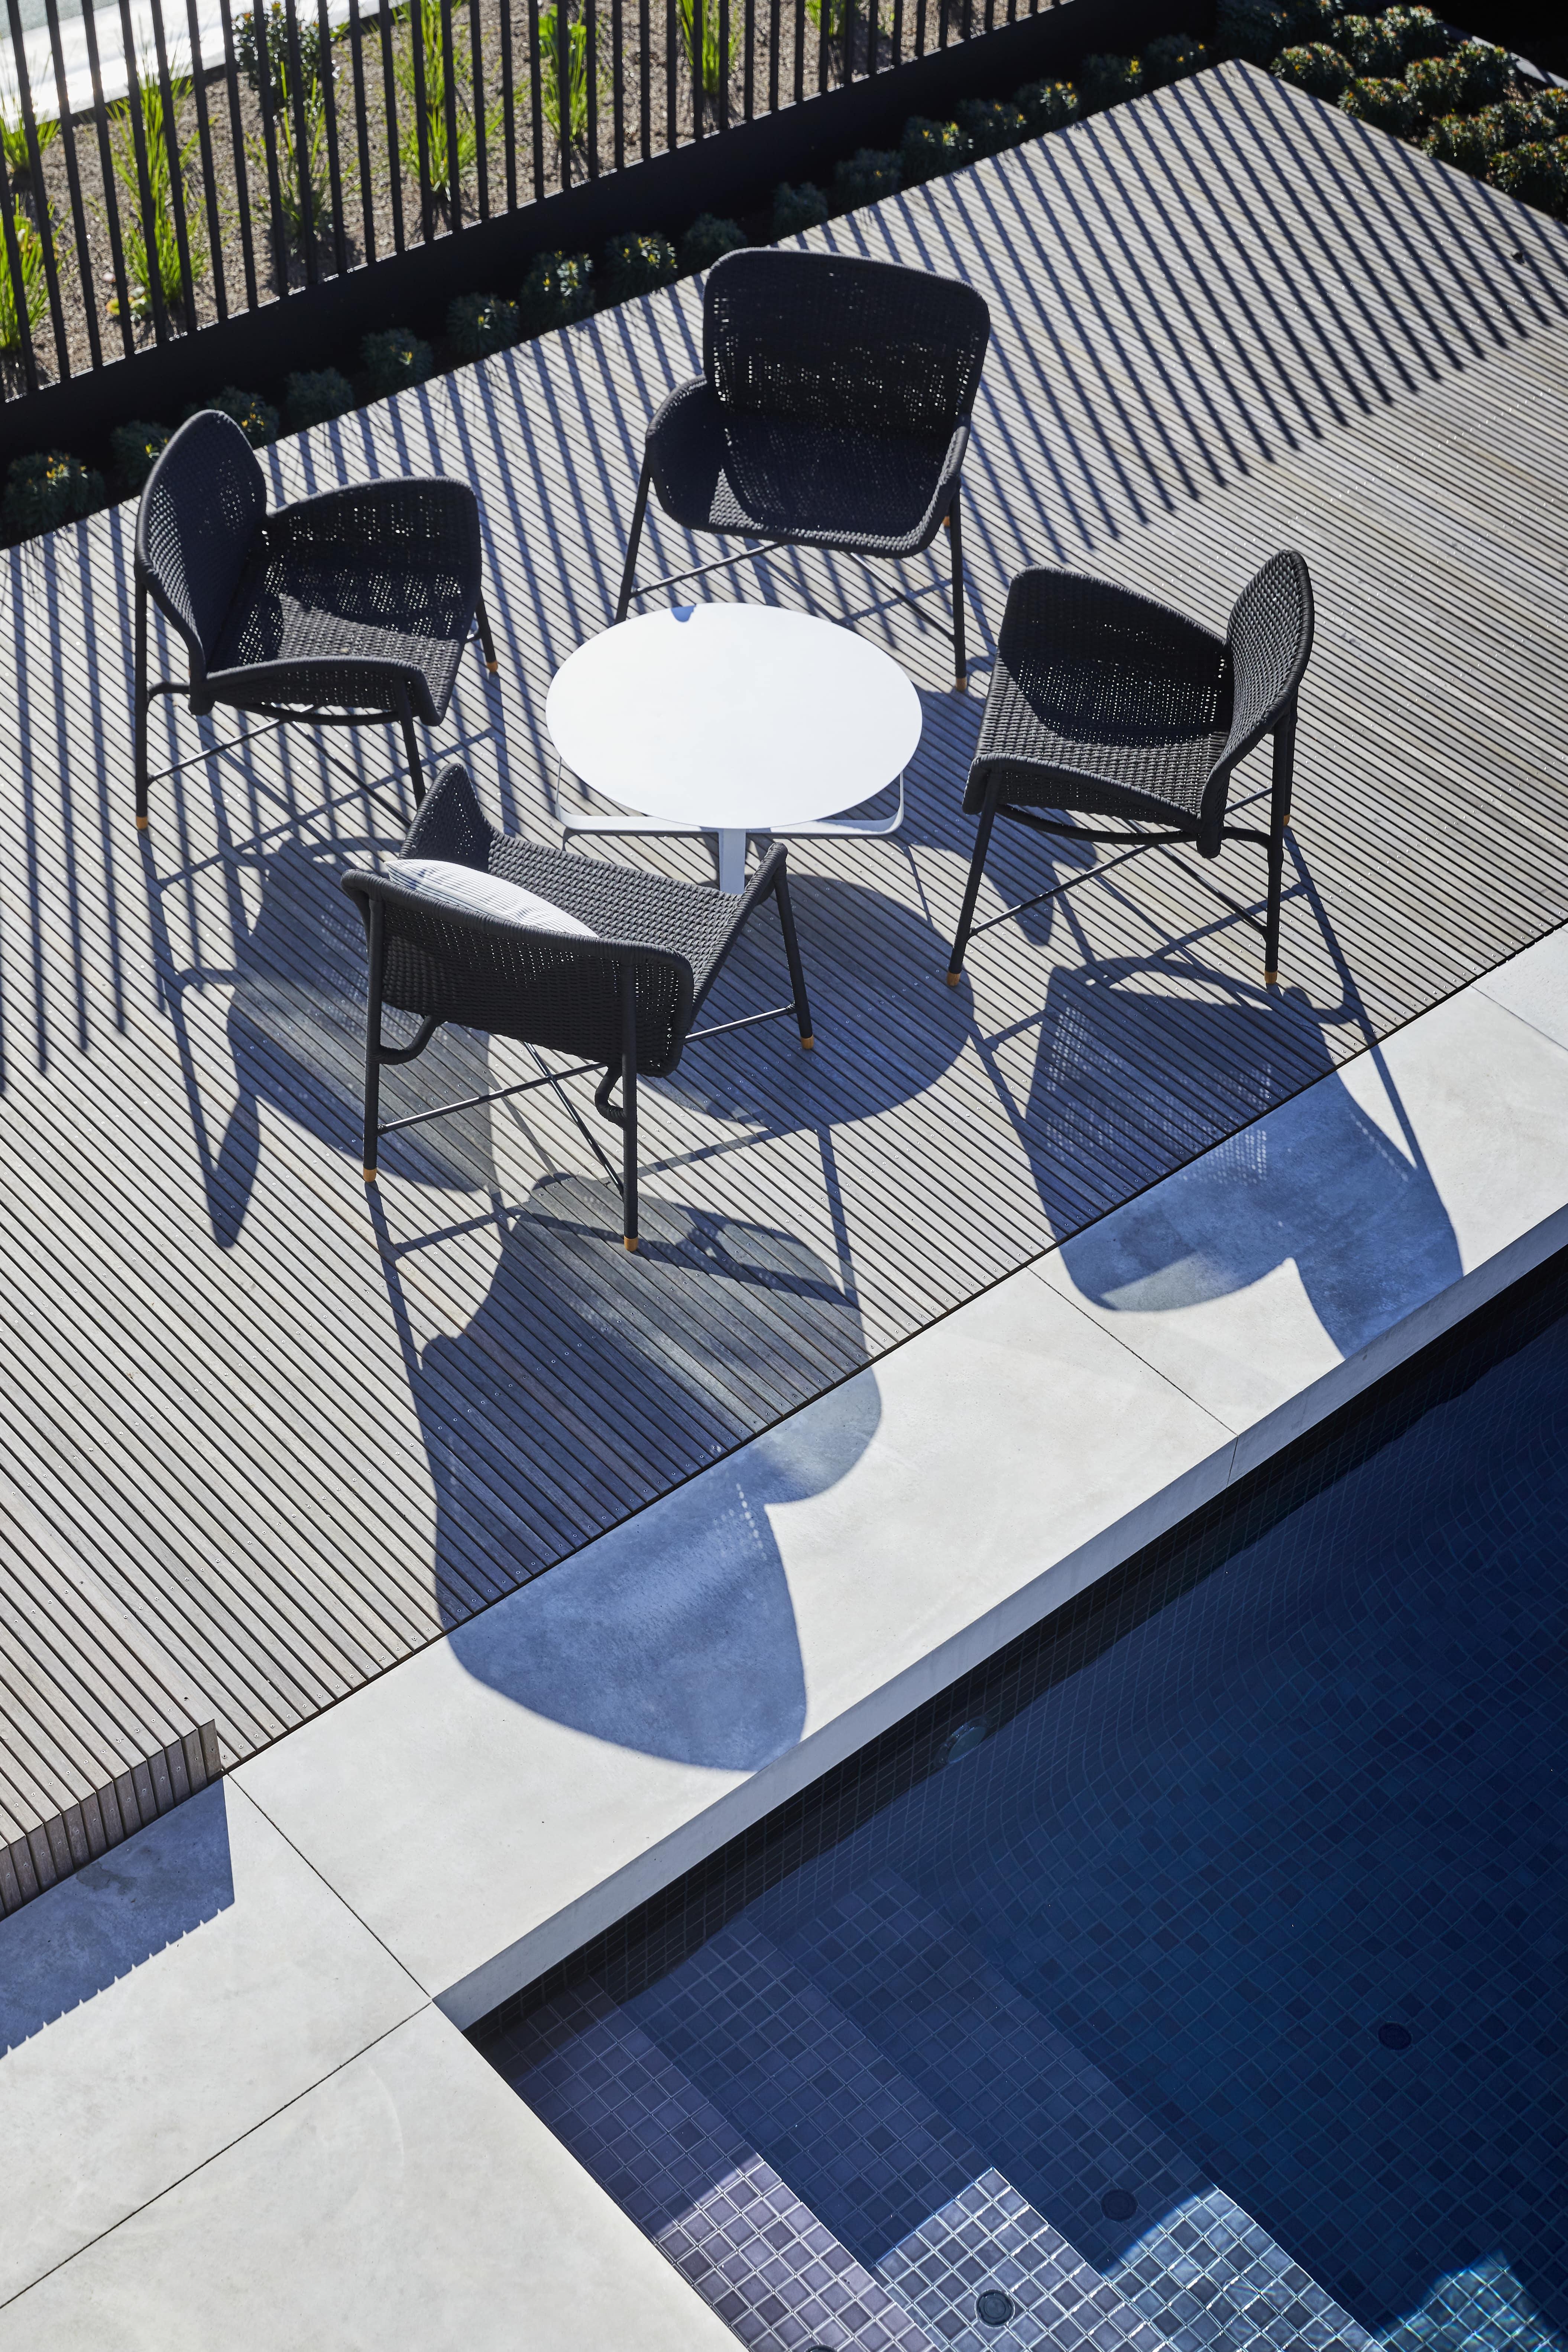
492 668
368 1174
952 978
961 682
807 1044
1271 979
143 823
628 1245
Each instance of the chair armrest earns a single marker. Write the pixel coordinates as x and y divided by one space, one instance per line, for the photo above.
451 824
348 682
1047 606
676 411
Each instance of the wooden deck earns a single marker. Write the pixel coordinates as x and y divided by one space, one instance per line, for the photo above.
296 1434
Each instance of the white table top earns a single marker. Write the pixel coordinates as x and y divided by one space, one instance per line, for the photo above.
733 716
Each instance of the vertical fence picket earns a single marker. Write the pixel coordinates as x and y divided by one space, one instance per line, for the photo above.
800 50
264 72
241 178
394 154
68 139
536 99
18 282
721 108
590 68
152 290
563 89
110 193
209 171
176 169
44 224
508 106
645 79
749 86
618 82
672 77
304 158
420 118
330 113
476 85
895 33
773 30
449 116
362 128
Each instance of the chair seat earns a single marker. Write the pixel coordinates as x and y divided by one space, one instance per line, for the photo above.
1073 738
621 902
321 606
726 469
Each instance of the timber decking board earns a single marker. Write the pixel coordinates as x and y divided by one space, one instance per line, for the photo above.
296 1433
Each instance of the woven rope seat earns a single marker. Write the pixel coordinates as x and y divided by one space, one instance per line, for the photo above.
1106 703
832 411
623 1000
349 608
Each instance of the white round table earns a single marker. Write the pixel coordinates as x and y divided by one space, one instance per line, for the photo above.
732 719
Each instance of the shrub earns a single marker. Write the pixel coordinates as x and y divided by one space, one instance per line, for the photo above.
1316 69
1046 105
1537 174
256 417
1472 76
556 291
1172 58
795 210
988 126
870 173
45 491
706 241
393 360
1255 29
1543 115
1390 105
1466 141
315 398
135 449
1417 32
639 263
1106 80
480 325
1373 47
930 148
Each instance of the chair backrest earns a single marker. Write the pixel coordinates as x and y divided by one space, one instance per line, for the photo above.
1268 639
832 339
200 512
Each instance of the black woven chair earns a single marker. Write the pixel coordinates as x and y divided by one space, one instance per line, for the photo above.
626 1000
832 411
1104 702
347 610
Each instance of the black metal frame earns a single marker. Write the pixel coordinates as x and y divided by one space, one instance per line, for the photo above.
378 894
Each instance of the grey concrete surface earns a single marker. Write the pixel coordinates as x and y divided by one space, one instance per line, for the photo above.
159 2005
1534 986
409 2203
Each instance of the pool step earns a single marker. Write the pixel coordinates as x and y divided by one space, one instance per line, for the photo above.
1186 2257
913 2198
747 2244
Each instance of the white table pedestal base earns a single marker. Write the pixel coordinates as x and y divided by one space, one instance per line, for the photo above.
732 862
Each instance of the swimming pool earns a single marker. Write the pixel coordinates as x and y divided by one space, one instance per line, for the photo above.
1191 1976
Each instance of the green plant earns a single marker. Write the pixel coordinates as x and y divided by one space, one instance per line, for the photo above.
989 125
1318 70
14 144
569 121
1418 32
393 360
1173 58
1471 76
700 30
1390 105
296 102
557 291
256 417
868 175
930 148
287 33
1106 80
315 398
637 264
135 449
797 209
832 17
24 301
152 237
480 325
1466 141
430 69
45 491
1373 46
1537 174
708 240
1046 105
1254 29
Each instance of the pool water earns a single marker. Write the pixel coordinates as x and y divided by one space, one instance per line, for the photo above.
1199 1981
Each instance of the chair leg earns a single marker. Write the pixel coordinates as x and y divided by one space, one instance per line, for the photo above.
955 535
487 642
797 970
373 1044
976 867
1278 818
629 1105
411 744
142 702
629 576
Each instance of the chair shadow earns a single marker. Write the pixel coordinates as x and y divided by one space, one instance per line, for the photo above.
674 1635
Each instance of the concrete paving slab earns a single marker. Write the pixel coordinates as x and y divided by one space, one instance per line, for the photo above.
413 2200
159 2004
492 1802
1279 1275
1535 986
